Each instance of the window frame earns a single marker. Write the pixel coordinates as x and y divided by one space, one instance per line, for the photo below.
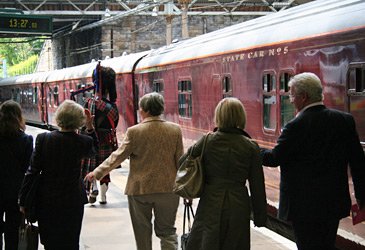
186 92
269 92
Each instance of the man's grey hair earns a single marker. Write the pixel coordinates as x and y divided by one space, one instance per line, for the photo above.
307 83
152 103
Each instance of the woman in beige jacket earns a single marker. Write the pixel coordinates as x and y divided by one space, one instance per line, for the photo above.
154 147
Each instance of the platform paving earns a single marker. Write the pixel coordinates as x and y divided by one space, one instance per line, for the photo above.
108 227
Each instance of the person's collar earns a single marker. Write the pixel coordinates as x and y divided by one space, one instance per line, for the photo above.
152 118
309 106
233 131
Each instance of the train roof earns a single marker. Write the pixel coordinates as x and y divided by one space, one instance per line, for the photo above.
122 64
304 21
31 78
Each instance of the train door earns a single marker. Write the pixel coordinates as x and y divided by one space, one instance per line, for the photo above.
356 96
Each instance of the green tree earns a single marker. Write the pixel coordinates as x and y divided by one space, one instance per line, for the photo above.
16 50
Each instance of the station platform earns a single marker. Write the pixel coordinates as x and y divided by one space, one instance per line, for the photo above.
108 227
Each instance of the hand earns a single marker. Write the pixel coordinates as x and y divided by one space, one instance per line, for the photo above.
89 120
22 209
89 177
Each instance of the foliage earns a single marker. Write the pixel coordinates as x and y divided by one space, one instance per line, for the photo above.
20 53
16 50
25 67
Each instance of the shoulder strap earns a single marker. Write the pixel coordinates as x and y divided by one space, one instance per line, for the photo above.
204 143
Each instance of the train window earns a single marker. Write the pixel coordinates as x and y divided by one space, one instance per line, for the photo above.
157 87
356 96
55 96
18 96
29 95
50 90
284 80
227 86
269 101
185 99
287 110
360 79
268 82
356 79
35 95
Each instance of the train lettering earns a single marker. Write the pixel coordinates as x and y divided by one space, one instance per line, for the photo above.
256 54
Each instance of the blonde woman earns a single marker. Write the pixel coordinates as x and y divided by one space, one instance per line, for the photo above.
230 160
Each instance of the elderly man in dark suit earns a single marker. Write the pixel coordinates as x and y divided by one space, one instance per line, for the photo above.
314 152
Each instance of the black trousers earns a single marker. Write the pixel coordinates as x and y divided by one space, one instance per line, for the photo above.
60 228
9 210
315 235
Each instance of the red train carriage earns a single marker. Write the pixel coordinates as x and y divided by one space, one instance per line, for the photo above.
40 94
252 61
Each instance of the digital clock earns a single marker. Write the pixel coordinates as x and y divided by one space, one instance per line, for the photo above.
19 23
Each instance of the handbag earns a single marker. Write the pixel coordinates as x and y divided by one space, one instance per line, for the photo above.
188 210
28 236
189 181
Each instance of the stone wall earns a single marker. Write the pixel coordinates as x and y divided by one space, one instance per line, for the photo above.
131 34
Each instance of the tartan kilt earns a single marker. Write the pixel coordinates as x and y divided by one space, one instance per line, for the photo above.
106 147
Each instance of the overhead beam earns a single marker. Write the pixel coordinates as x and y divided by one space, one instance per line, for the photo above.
76 14
110 19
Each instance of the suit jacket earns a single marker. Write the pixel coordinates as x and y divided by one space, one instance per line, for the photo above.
154 147
314 152
58 155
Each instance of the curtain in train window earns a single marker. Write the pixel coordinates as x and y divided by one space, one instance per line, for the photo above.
269 101
356 97
227 87
185 99
287 109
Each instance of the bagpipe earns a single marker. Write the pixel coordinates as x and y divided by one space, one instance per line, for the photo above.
97 84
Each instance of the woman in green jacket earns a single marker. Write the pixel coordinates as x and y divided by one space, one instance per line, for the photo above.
231 158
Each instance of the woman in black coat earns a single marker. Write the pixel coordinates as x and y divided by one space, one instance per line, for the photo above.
15 150
61 196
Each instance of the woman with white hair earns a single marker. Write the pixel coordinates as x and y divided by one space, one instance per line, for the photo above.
154 147
61 197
